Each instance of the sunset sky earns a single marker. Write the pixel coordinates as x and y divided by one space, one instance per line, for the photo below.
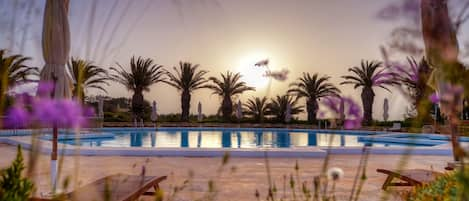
324 36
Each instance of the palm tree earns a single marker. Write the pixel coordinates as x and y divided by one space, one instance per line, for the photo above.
256 108
414 80
14 71
86 76
313 88
186 79
229 86
278 106
370 74
143 73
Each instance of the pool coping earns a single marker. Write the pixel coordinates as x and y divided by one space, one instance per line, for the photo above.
298 152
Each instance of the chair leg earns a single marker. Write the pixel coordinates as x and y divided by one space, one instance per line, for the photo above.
156 187
387 182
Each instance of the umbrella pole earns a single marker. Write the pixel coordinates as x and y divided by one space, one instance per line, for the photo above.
53 162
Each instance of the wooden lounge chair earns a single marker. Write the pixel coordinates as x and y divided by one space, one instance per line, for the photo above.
395 127
413 177
119 187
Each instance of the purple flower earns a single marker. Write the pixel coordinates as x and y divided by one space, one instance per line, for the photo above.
404 73
23 99
89 112
347 109
321 114
333 103
46 113
352 124
16 117
45 89
434 98
71 113
382 77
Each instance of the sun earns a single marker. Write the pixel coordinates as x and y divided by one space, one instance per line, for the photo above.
253 75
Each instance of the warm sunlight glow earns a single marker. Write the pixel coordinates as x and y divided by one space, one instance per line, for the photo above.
254 75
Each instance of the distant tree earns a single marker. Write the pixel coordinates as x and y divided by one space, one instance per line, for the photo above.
13 70
86 76
143 73
229 86
186 79
313 88
278 106
256 108
414 81
370 74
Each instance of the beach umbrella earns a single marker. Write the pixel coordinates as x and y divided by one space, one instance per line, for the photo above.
239 111
154 114
288 113
386 109
55 50
199 112
342 110
100 107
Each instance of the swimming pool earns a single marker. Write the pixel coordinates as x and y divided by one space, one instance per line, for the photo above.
238 138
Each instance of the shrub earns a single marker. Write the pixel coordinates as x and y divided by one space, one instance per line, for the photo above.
12 186
451 187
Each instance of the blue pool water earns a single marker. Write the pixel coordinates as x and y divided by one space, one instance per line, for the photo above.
228 138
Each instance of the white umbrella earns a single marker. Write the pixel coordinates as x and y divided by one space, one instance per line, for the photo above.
56 50
288 113
386 109
342 109
199 111
239 110
100 107
154 114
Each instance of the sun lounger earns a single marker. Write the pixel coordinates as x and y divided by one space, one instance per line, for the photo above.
395 127
119 187
413 177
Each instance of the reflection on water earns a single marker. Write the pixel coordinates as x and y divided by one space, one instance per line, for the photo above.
225 139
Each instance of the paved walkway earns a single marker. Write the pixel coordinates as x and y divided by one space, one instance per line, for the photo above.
238 181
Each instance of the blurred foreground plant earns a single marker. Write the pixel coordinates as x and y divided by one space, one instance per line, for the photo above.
14 187
322 186
43 111
449 187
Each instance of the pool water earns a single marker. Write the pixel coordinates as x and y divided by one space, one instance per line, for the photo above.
225 139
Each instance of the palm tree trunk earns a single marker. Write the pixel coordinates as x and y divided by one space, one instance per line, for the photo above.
457 152
185 105
312 109
368 97
441 46
137 104
227 108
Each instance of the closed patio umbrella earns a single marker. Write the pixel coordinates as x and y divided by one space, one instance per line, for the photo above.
55 50
199 112
288 113
100 107
342 110
239 111
154 114
385 109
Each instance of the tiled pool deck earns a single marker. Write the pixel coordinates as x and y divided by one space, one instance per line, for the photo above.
249 173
